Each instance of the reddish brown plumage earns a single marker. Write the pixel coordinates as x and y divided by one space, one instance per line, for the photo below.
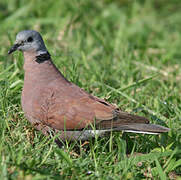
49 99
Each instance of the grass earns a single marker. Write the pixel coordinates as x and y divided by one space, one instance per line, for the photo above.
127 52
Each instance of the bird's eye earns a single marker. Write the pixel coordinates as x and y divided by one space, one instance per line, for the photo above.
30 39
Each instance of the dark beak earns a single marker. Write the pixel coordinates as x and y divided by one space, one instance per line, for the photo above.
13 48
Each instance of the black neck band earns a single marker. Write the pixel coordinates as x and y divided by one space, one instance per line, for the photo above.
42 57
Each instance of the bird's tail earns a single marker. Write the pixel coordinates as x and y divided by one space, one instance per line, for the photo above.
142 128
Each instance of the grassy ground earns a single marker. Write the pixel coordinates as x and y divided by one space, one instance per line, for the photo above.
126 52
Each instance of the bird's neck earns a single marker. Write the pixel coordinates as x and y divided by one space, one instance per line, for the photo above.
40 68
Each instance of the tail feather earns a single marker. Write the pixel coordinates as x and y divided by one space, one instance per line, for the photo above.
142 128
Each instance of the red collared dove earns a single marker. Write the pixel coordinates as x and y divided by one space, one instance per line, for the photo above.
51 102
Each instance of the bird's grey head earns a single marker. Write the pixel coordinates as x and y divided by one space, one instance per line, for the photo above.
28 40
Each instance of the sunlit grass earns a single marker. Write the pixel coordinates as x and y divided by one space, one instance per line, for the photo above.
125 52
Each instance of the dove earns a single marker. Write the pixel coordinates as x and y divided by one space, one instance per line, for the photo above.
51 103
